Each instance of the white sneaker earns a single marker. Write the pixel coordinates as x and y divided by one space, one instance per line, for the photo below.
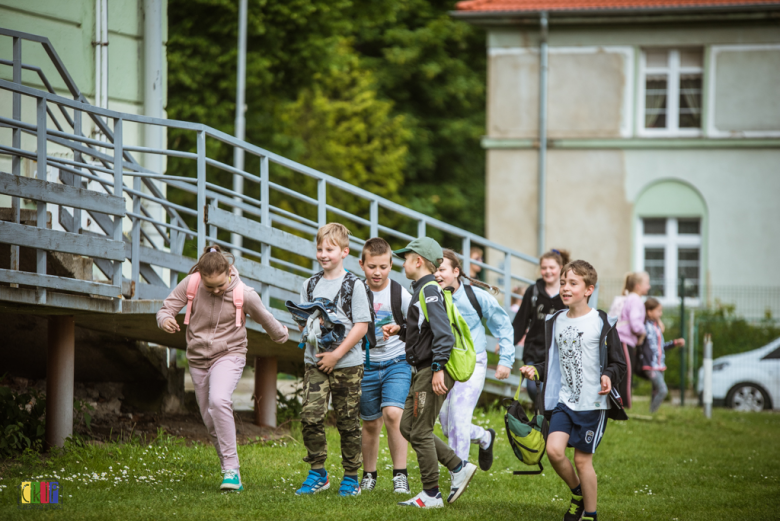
423 500
460 480
368 483
401 484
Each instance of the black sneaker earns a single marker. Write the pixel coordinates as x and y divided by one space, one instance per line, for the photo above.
576 509
368 483
486 455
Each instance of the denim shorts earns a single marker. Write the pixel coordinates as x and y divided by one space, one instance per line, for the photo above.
386 384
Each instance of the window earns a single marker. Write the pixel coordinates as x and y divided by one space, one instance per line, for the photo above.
672 82
671 250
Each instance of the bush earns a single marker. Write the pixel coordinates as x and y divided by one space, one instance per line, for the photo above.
22 421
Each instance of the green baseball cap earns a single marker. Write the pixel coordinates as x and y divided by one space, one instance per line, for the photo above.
425 247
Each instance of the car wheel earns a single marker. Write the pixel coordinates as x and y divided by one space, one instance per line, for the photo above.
748 397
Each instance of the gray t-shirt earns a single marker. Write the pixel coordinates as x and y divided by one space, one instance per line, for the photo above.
326 288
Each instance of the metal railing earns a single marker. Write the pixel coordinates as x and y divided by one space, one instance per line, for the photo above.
100 180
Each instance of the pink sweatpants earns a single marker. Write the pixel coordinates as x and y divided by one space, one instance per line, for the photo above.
214 390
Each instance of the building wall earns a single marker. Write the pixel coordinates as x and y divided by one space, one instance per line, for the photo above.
598 164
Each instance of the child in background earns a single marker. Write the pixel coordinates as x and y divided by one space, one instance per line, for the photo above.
653 353
216 346
474 303
428 347
579 380
631 325
337 373
387 377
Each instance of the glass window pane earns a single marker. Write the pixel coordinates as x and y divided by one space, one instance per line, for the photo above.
690 101
689 226
654 266
654 226
691 58
655 101
688 267
657 58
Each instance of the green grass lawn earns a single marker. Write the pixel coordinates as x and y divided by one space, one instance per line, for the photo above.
678 466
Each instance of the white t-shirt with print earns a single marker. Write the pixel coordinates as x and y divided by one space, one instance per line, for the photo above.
578 355
393 347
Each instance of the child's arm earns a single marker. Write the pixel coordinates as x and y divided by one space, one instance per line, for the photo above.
499 325
674 343
520 324
166 317
254 307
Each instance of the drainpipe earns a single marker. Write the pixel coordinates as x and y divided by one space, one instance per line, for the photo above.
238 152
153 103
543 69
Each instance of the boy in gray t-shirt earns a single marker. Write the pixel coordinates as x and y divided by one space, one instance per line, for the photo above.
335 374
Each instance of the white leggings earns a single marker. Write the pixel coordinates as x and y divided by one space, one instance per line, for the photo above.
459 407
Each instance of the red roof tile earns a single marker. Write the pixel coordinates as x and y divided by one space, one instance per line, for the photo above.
520 6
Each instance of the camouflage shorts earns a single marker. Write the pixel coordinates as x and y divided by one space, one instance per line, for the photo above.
344 386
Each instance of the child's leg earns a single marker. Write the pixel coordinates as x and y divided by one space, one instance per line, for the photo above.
200 379
316 392
345 388
371 414
584 463
224 375
459 407
556 453
398 445
370 436
659 389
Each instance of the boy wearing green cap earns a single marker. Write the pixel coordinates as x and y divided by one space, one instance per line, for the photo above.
428 346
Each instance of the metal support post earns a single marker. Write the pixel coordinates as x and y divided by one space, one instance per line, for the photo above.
707 384
265 390
16 142
682 332
41 168
201 191
60 361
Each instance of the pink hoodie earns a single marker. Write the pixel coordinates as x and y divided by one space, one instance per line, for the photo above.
212 332
631 325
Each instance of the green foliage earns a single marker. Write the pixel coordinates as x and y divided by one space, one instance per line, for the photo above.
81 412
389 96
22 420
289 408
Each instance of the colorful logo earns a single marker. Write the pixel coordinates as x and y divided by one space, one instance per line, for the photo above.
39 494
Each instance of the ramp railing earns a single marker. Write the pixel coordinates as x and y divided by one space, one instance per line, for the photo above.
132 220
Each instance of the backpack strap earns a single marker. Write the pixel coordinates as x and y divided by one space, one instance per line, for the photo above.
238 301
423 304
529 472
192 290
312 284
534 312
473 299
396 302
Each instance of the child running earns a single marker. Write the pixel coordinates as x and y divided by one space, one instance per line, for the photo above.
336 373
217 345
428 346
540 299
583 365
631 326
474 304
653 354
387 376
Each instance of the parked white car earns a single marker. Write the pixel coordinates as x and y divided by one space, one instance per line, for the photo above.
746 381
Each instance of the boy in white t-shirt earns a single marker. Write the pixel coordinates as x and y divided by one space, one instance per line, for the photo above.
584 363
387 376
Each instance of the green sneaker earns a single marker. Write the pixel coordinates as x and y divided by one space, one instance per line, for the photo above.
576 509
231 481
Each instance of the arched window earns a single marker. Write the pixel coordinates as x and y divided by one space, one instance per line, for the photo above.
670 238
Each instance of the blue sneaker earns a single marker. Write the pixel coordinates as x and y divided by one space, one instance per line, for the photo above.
349 487
314 483
231 481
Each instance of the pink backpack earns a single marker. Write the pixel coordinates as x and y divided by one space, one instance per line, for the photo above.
192 290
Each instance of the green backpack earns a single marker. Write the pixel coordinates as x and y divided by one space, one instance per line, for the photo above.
463 358
528 437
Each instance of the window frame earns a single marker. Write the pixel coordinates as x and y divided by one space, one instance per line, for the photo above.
671 242
673 70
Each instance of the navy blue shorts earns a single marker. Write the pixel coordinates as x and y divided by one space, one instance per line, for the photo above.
585 428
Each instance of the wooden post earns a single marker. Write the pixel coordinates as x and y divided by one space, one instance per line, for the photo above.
265 391
59 379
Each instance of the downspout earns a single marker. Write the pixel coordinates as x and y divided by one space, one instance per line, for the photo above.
238 152
543 69
153 105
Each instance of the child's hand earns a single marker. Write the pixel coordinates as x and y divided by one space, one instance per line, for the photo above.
300 328
502 372
327 361
390 330
170 326
606 385
528 372
438 383
679 342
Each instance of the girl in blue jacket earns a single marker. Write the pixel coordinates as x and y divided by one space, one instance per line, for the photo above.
474 303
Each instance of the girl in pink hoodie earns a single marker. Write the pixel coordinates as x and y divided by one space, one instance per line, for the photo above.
216 347
631 324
